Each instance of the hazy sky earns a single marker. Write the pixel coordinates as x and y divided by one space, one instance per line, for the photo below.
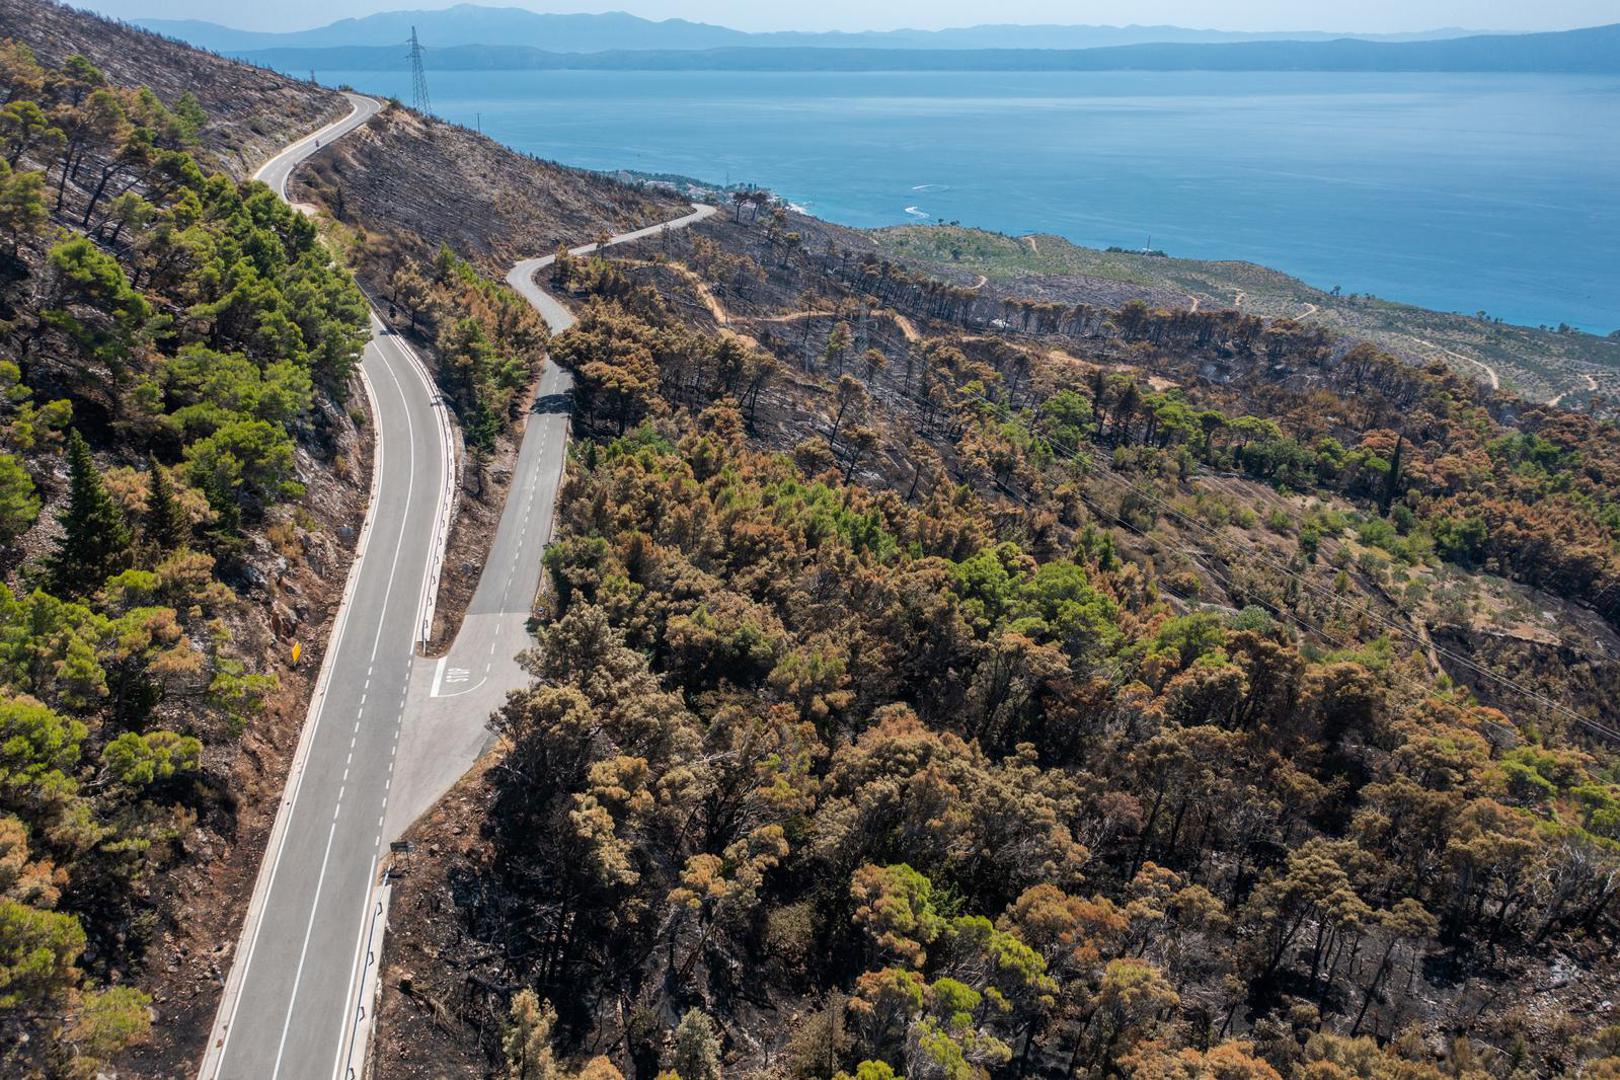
1363 16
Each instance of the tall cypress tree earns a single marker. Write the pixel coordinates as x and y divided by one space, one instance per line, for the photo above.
166 525
95 542
1392 483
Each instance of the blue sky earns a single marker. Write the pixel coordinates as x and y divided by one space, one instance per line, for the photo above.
1363 16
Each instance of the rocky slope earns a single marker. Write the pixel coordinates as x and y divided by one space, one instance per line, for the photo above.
420 182
252 111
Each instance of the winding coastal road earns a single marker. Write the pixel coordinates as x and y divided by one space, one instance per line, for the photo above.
452 697
285 1004
388 731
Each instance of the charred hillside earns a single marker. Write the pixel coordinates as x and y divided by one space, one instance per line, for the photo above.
251 111
943 684
420 183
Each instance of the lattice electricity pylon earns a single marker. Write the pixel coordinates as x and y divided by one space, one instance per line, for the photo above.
419 90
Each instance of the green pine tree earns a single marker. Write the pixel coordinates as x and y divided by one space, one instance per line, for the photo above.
697 1047
19 505
166 527
222 499
95 542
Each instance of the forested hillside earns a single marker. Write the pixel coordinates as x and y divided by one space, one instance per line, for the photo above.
430 216
1051 690
183 473
933 680
178 470
247 113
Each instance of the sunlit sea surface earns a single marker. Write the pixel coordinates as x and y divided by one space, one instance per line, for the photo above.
1458 192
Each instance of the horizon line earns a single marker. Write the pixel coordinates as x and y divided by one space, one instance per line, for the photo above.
1460 31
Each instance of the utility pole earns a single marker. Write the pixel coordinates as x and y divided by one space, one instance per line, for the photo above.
419 90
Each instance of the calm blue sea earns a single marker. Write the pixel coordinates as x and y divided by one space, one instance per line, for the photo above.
1457 192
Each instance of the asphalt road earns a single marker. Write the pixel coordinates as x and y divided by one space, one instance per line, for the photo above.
522 276
285 1011
388 732
452 697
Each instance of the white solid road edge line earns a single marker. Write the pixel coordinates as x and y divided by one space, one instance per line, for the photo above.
349 1020
213 1054
360 1016
230 997
370 987
444 514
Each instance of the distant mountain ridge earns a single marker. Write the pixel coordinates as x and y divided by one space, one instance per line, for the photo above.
1592 51
473 24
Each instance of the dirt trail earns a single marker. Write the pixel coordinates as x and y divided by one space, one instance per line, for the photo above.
1490 372
1158 383
706 295
1033 246
1591 387
722 315
1308 314
906 326
795 316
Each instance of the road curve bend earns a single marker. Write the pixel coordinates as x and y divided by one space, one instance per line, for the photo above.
387 732
447 728
558 318
286 1005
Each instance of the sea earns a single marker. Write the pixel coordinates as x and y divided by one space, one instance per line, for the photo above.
1495 193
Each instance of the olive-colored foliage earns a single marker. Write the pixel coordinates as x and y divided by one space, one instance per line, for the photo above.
1484 479
170 334
19 502
490 342
982 785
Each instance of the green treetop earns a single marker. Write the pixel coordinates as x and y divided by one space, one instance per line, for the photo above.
95 540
